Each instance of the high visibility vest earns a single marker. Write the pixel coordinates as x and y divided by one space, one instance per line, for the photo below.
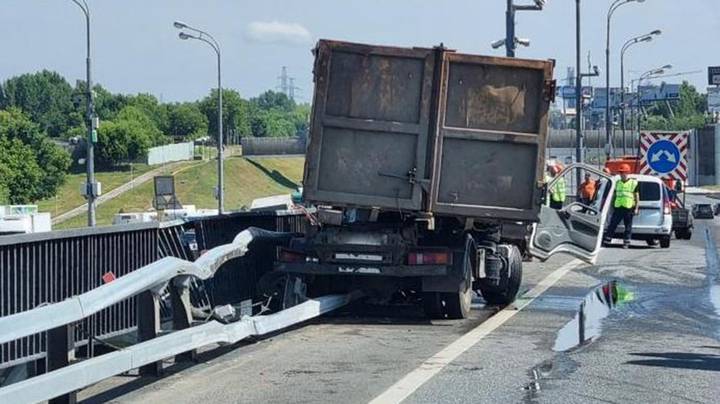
558 191
625 194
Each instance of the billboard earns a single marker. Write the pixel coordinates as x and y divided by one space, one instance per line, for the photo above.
713 99
714 75
165 193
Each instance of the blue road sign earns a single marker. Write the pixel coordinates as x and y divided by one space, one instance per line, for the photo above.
663 156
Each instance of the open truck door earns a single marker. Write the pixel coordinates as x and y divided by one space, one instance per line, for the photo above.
578 227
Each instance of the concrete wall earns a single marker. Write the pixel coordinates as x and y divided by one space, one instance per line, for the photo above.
259 146
170 152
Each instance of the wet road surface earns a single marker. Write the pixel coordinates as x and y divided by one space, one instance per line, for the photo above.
651 334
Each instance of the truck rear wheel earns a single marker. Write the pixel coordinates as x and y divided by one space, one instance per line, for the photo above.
506 290
448 305
455 305
665 242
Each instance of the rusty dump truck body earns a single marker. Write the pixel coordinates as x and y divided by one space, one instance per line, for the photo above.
417 157
428 130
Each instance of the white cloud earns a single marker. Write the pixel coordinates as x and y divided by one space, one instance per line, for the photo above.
278 32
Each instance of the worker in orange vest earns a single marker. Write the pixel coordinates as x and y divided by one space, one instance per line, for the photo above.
587 190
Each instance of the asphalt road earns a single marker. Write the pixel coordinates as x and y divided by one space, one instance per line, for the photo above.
659 344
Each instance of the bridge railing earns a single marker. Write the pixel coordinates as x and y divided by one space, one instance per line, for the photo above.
64 377
44 268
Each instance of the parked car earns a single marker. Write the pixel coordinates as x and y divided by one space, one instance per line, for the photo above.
703 211
654 222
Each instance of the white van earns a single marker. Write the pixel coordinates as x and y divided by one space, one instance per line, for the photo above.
654 221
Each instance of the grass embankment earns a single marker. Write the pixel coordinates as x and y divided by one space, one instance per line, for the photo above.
68 196
245 180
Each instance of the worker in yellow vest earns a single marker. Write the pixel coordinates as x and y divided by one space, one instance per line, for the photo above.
558 191
625 205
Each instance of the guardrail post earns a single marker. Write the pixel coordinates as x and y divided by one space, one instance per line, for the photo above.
182 314
148 326
60 351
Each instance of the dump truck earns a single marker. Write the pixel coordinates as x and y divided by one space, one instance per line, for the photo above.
417 158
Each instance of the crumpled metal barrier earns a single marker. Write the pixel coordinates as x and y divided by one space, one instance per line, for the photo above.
150 277
85 373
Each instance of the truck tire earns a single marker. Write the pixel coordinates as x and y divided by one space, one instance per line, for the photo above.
448 305
684 234
665 242
506 291
454 305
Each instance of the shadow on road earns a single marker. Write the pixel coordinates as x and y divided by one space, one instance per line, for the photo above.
678 360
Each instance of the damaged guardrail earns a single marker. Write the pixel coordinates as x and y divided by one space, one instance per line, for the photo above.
146 283
81 374
150 277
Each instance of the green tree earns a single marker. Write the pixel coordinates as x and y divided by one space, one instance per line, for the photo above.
272 123
186 121
33 165
301 118
19 172
150 106
127 138
107 104
45 96
274 100
688 112
236 113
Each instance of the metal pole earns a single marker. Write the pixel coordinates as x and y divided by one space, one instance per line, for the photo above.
608 124
608 145
220 140
90 114
578 93
622 98
510 30
90 158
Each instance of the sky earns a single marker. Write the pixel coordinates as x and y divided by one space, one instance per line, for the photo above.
136 49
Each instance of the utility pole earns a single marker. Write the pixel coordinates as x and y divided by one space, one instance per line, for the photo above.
578 94
510 40
90 186
510 30
579 138
284 81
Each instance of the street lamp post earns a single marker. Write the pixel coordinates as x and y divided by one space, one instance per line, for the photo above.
648 74
578 91
608 125
629 43
208 39
90 187
510 40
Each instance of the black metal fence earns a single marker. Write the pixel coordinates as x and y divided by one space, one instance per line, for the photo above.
45 268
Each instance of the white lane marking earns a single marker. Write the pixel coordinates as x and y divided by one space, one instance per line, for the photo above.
432 366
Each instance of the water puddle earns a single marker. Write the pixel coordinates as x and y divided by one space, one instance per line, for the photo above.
587 323
715 298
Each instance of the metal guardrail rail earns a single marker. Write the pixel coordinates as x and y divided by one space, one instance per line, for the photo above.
153 278
85 373
150 277
45 268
